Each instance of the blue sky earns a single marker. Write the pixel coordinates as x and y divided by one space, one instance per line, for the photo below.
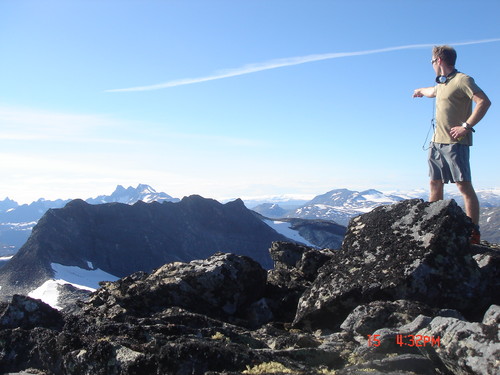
232 98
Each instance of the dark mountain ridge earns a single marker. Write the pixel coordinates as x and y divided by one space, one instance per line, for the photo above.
17 221
121 239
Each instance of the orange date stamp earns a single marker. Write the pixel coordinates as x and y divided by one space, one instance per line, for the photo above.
408 340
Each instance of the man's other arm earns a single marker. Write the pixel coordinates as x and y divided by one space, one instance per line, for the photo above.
482 105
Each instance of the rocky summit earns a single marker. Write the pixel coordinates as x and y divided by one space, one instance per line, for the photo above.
406 294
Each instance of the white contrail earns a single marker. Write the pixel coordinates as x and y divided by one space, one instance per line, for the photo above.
279 63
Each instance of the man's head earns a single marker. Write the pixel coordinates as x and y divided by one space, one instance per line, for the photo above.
446 54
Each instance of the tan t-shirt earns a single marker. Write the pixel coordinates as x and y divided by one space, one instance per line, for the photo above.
453 107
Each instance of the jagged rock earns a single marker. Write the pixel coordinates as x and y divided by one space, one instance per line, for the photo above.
488 260
410 250
367 318
386 342
409 364
298 258
69 296
466 348
492 316
36 348
295 267
286 255
222 286
27 313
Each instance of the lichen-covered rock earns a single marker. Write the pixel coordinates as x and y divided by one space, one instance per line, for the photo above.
303 261
466 348
366 319
488 260
295 268
403 364
222 286
410 250
27 313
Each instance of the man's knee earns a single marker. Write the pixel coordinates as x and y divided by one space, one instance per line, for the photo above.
466 188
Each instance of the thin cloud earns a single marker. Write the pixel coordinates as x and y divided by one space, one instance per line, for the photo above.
29 124
280 63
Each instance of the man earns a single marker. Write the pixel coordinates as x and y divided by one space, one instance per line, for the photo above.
455 120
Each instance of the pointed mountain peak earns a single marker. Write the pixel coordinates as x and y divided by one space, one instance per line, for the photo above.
146 189
8 204
130 195
119 189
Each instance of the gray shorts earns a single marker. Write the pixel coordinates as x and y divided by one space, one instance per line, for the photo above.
449 162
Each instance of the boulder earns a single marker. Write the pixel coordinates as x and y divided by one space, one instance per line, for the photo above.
295 268
222 286
366 319
410 250
488 260
466 348
27 313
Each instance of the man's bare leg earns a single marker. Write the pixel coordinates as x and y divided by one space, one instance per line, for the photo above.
437 190
470 200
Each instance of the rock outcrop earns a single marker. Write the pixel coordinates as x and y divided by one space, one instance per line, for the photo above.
412 250
472 348
388 302
223 287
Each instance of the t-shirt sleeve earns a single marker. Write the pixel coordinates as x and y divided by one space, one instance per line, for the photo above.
469 86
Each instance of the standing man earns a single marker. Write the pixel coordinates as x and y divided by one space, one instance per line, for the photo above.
455 121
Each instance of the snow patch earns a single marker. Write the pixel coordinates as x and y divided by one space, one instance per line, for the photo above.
284 228
48 293
76 276
80 277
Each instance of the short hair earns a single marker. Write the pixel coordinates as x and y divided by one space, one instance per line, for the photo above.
445 53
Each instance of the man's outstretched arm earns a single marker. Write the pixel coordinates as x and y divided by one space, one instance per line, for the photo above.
429 92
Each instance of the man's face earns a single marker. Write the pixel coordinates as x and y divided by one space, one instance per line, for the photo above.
435 64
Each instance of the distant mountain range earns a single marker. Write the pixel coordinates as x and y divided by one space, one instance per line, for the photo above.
339 205
131 195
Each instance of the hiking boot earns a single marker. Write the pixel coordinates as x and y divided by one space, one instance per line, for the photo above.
475 237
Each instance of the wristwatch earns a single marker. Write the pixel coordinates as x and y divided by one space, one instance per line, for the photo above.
468 127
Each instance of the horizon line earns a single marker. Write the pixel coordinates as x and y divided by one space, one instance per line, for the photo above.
283 62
